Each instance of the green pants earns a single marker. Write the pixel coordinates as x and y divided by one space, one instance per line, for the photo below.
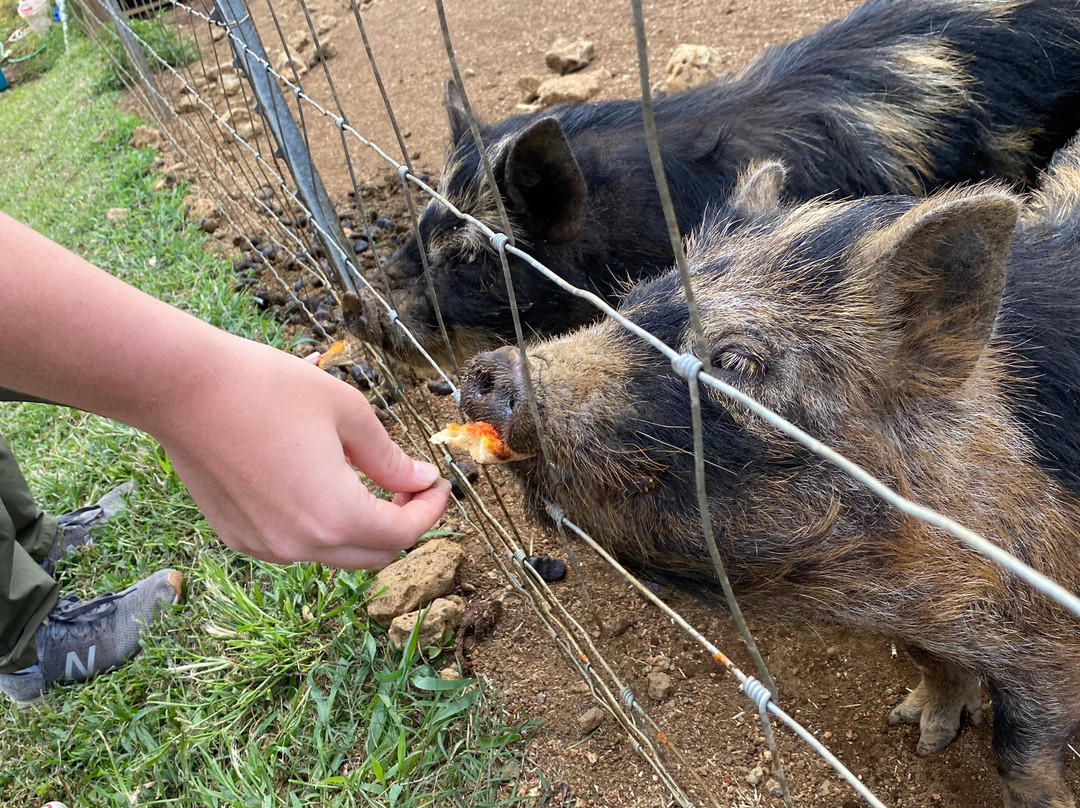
27 592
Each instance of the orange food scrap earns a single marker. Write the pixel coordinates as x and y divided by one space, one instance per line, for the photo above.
480 440
661 738
336 354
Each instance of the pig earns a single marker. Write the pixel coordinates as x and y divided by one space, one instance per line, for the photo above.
897 97
904 333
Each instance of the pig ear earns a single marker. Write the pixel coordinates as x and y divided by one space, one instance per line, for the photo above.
758 190
455 109
944 276
544 181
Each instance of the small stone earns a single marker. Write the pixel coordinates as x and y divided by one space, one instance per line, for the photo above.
442 616
568 55
426 573
298 41
591 719
541 698
573 88
439 387
230 85
470 471
449 675
618 627
384 224
527 109
468 73
660 685
326 50
115 215
324 23
286 66
755 775
689 66
773 787
549 569
218 33
186 105
145 137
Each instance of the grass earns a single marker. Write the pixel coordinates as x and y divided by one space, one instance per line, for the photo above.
268 687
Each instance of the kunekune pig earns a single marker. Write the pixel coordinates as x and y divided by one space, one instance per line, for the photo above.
874 325
897 97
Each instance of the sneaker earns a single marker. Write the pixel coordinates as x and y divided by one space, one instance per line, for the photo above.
74 527
81 639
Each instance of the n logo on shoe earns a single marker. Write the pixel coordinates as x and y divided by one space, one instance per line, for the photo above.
73 662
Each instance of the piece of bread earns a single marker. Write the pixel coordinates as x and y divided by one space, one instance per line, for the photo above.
480 440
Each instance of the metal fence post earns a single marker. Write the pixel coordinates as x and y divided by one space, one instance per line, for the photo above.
291 145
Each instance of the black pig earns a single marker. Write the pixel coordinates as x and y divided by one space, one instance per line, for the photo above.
903 333
897 97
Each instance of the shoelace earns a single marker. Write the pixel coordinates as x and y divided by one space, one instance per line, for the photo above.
75 617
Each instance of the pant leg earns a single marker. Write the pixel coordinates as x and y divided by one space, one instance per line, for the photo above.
27 592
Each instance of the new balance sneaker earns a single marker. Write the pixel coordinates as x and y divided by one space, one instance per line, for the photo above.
80 639
74 527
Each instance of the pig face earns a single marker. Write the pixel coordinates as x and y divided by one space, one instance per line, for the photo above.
863 323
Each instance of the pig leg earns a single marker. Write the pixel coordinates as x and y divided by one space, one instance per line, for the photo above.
939 702
1029 746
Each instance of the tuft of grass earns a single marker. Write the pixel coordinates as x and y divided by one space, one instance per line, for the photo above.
157 40
268 687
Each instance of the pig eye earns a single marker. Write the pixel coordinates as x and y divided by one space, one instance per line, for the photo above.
738 362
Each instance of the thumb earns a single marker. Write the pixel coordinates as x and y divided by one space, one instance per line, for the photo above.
371 450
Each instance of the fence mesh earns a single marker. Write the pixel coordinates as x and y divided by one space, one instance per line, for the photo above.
249 101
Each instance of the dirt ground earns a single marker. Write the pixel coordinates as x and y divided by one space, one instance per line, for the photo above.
840 687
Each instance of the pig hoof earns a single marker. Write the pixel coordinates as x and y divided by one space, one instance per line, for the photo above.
931 741
910 710
938 715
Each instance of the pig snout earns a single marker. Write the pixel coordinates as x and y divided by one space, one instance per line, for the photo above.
493 390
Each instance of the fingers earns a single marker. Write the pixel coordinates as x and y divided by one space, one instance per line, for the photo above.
372 451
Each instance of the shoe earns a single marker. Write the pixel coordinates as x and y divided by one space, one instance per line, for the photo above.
79 639
74 527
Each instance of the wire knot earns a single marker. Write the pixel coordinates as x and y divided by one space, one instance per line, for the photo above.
687 365
392 316
403 172
340 122
757 693
627 696
519 556
499 241
556 512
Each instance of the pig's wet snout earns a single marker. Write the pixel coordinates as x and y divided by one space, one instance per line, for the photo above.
493 389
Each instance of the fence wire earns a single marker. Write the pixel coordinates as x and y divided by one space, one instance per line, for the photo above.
245 129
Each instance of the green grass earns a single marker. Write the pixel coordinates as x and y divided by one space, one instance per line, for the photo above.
267 687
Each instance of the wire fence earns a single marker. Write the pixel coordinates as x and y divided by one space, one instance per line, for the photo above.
247 128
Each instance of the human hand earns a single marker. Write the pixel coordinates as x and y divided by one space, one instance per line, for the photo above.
266 443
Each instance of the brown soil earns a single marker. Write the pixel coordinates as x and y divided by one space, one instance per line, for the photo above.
840 687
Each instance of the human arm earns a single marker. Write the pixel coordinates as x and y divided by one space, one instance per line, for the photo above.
264 441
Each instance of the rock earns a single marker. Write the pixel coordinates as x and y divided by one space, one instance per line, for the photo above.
145 137
549 569
469 471
568 55
218 33
660 685
186 105
449 675
175 171
478 624
591 719
114 215
230 85
755 775
203 211
689 66
530 86
574 88
326 50
324 23
426 573
772 785
298 41
438 387
246 130
443 615
286 66
527 109
215 73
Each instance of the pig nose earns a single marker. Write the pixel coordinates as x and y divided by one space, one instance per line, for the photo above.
493 389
